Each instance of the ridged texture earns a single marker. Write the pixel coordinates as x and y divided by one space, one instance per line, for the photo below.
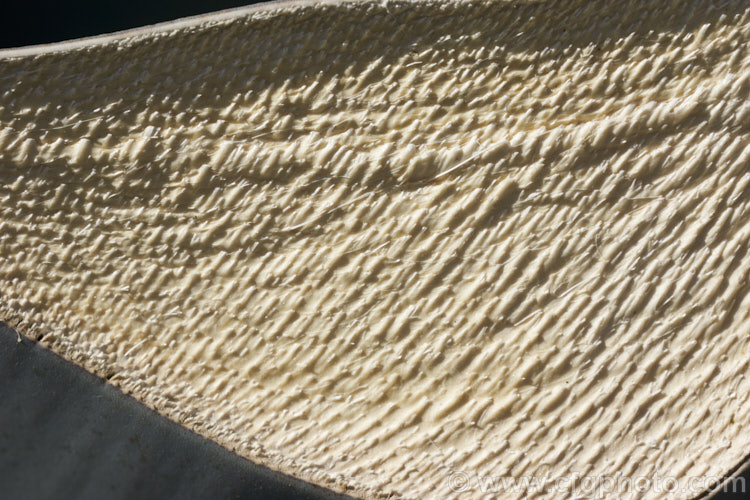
375 244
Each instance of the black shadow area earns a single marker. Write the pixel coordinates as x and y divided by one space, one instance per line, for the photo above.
44 21
66 434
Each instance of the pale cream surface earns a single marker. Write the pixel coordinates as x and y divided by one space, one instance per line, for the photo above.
383 246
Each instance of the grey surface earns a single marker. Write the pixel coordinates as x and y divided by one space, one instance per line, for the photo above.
66 434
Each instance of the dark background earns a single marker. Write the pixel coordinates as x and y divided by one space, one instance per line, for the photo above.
33 22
